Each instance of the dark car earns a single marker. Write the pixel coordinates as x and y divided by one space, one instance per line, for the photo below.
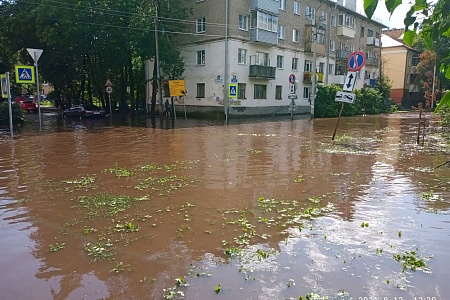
84 111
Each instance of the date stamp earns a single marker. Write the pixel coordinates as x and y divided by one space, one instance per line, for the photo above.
397 298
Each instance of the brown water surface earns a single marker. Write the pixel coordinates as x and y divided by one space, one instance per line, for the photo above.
199 210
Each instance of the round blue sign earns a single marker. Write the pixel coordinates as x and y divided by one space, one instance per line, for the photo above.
292 78
356 61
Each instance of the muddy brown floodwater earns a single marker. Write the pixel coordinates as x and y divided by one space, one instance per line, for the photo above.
251 210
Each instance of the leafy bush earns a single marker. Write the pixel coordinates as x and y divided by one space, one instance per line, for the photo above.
369 101
18 114
325 106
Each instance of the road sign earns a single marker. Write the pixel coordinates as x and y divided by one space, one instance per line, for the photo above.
356 61
350 81
292 78
232 90
108 83
4 86
234 79
35 53
345 97
292 96
24 74
109 89
177 88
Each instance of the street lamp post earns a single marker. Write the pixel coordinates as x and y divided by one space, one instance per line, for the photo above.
314 73
158 64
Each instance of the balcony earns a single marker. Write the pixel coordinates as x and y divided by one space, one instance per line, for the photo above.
307 77
263 36
373 41
265 72
342 54
346 31
370 82
270 6
372 61
320 48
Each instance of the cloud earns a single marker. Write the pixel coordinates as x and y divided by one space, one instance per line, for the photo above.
381 13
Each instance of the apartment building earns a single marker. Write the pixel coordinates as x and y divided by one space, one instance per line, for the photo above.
399 65
259 44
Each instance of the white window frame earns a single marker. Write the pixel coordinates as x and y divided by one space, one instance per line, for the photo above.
281 33
295 35
333 20
243 22
282 4
323 18
332 45
306 92
297 8
331 69
310 13
203 90
200 25
280 61
308 66
262 91
242 56
294 64
200 57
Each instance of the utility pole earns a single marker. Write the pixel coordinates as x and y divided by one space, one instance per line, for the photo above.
158 65
314 73
434 80
225 79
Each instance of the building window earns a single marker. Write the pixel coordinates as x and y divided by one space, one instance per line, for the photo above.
296 8
321 67
331 69
201 58
241 90
310 13
332 20
242 56
295 35
377 35
347 21
320 36
278 92
280 61
264 21
200 90
352 49
369 33
201 25
305 92
362 31
260 91
282 4
281 32
323 18
294 63
243 22
308 66
262 59
332 45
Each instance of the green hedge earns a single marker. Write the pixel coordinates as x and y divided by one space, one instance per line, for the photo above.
18 114
368 101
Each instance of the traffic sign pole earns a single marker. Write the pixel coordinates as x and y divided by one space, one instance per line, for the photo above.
109 89
8 89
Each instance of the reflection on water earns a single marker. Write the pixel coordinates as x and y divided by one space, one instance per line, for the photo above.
167 200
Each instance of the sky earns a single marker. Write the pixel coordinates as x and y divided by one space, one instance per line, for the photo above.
394 21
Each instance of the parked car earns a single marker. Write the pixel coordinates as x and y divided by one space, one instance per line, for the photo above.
83 111
28 105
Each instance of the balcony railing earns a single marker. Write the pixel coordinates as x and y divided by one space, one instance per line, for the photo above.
342 54
263 36
258 71
373 41
270 6
372 61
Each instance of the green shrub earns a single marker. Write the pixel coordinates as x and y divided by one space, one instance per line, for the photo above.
324 105
18 114
369 101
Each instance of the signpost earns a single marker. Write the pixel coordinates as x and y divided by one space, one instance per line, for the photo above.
177 88
109 90
292 93
6 90
356 62
36 54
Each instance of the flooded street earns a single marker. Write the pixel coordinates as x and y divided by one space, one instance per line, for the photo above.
251 210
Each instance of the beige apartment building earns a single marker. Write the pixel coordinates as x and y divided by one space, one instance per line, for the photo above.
261 46
399 65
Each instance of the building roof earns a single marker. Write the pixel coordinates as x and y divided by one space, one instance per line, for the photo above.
387 41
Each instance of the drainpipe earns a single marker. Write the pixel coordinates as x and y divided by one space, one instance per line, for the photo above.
225 77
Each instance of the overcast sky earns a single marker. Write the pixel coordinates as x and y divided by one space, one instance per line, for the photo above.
396 20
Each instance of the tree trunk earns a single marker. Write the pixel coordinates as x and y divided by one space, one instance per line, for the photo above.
131 84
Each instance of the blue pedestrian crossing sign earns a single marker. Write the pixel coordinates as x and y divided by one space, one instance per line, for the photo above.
232 91
25 74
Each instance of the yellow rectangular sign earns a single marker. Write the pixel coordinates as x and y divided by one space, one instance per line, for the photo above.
25 74
177 88
4 86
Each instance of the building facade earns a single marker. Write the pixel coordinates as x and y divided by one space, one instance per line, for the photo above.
262 45
399 65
